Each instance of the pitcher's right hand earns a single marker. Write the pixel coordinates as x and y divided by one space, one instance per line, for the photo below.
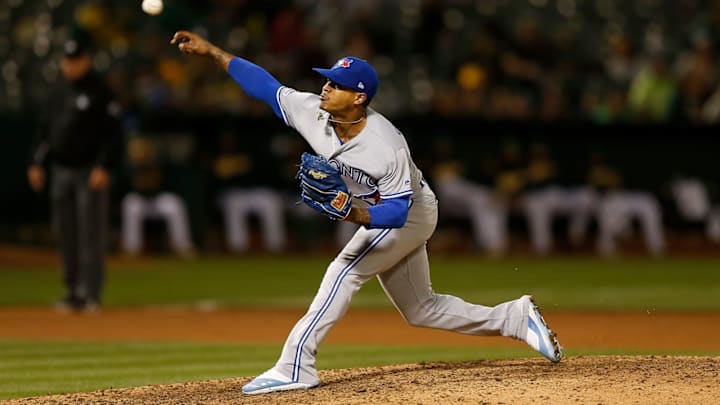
191 43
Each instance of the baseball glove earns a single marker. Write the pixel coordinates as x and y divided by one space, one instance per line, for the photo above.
322 187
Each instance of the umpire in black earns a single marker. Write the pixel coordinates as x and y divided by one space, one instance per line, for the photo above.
80 142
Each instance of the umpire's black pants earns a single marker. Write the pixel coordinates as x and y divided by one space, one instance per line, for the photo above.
79 217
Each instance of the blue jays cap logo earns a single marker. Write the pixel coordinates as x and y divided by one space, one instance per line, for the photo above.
344 63
354 73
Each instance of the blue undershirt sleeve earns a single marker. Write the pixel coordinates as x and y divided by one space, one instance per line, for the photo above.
391 213
256 82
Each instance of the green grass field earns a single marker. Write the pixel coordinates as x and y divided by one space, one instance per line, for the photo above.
563 283
30 368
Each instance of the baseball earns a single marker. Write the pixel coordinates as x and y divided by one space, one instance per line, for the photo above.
152 7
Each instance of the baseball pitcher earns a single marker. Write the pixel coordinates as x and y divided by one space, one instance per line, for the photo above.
364 173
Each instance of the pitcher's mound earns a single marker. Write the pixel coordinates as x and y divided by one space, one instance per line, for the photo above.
583 379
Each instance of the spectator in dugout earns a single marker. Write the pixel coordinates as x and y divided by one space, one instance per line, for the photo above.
544 199
241 180
618 207
468 198
151 198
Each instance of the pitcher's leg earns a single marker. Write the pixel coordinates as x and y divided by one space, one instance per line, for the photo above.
344 231
297 360
368 253
409 288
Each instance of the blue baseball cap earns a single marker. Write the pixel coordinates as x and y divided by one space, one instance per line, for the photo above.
353 73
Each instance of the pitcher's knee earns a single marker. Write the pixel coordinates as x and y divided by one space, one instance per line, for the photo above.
422 315
417 320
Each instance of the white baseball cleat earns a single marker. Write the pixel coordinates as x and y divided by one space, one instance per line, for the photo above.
539 336
272 381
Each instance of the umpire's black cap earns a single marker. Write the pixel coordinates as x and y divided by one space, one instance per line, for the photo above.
78 43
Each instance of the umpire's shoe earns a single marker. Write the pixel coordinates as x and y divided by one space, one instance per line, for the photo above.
70 303
539 336
272 381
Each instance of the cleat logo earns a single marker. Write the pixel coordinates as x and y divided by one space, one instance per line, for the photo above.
317 175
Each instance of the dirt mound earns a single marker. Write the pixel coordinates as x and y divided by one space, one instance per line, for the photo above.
583 379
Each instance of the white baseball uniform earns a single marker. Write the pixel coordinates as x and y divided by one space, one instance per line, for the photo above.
617 209
167 206
376 164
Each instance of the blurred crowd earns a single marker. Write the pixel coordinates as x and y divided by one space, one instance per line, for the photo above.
535 61
593 208
518 197
597 61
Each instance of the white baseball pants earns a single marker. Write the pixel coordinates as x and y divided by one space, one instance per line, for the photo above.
238 204
616 211
487 213
542 206
399 260
166 206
